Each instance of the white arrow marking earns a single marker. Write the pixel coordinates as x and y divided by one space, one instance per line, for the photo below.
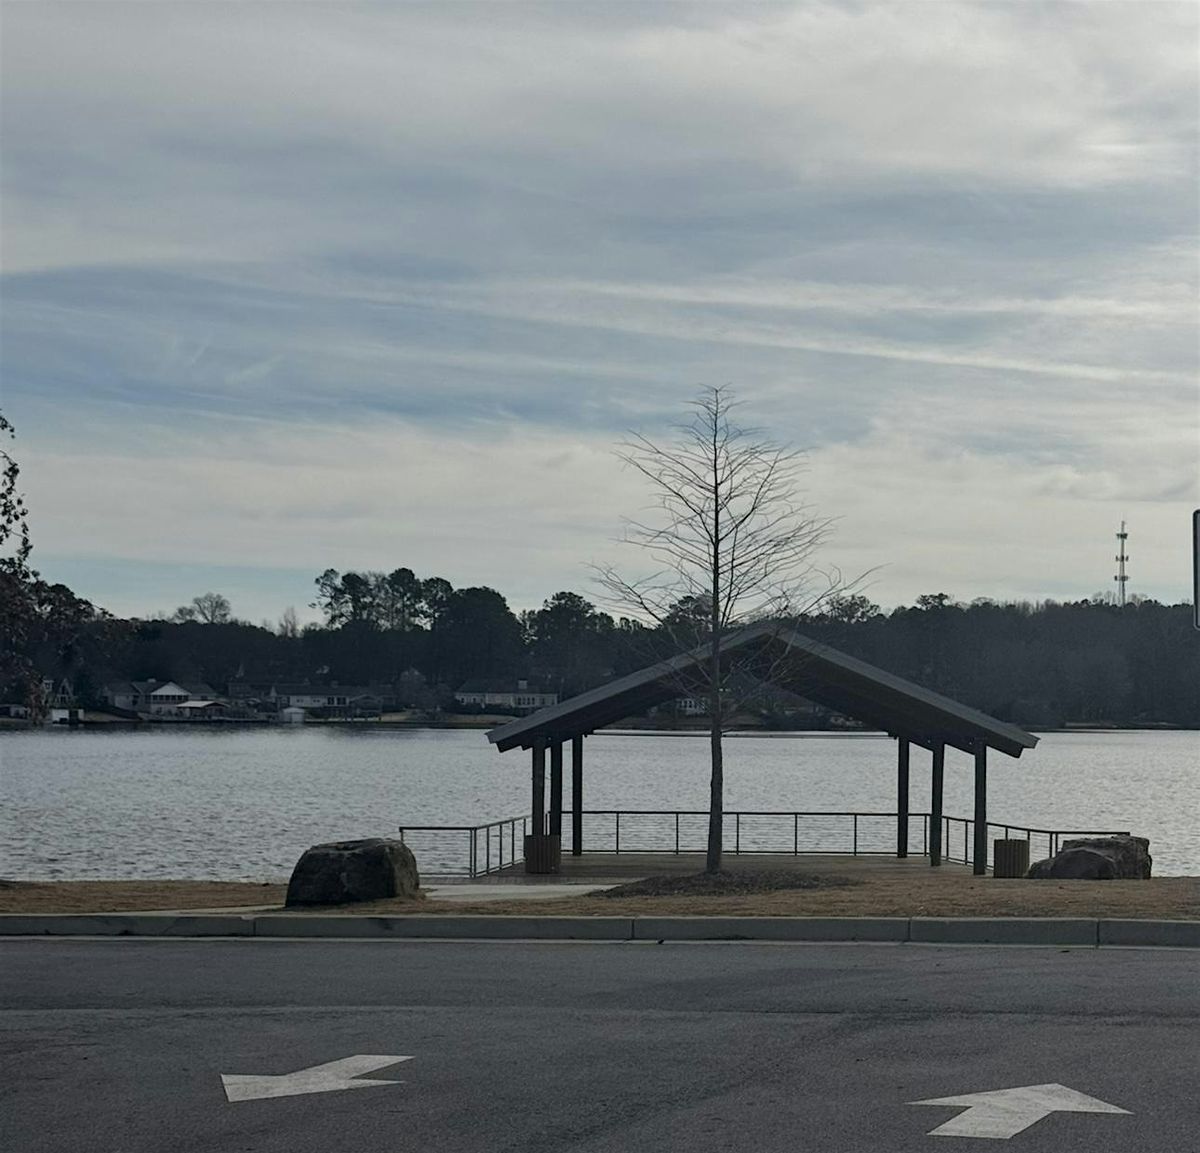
1005 1112
327 1078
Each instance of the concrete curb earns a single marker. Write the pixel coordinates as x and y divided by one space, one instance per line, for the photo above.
769 929
1076 931
1004 930
446 927
1170 933
126 925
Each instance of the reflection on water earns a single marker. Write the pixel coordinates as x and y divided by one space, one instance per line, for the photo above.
243 804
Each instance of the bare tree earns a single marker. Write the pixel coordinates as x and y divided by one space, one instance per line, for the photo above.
731 542
289 623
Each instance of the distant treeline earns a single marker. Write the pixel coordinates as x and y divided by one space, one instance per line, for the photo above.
1037 664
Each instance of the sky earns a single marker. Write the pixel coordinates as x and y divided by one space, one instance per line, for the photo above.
296 286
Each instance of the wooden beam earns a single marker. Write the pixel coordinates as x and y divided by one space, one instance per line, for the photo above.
936 789
902 756
980 853
556 789
537 824
576 796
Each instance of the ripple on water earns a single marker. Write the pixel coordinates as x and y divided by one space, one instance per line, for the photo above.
243 805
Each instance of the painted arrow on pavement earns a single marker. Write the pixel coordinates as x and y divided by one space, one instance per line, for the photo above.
328 1078
1006 1112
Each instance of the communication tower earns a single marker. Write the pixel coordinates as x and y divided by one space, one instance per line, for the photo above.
1121 557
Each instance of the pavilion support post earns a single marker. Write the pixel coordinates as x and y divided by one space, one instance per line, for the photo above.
537 823
576 796
556 788
980 853
935 803
902 757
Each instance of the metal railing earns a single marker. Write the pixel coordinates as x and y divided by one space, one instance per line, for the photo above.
478 850
958 836
444 850
748 832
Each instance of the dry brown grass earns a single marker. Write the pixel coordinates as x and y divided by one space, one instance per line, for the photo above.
132 896
920 895
1170 898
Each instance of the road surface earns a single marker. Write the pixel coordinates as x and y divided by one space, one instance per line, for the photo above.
121 1046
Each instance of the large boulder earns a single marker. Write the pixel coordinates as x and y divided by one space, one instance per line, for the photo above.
1130 855
1097 859
344 871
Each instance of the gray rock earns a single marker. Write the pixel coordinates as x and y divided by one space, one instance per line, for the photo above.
344 871
1130 855
1040 870
1082 865
1097 858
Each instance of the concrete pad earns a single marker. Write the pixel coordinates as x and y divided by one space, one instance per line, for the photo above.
1130 932
1004 930
125 925
770 928
448 927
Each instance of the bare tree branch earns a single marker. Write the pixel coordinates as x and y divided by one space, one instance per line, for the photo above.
731 543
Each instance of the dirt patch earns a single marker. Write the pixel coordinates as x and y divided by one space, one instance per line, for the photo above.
723 884
132 896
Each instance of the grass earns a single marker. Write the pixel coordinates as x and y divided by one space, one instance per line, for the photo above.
919 895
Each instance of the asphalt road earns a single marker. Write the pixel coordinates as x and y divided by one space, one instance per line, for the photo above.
119 1045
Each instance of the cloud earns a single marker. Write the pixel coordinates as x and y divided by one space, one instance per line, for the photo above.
286 265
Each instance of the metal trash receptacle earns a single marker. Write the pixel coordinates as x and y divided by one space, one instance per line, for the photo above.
543 853
1010 858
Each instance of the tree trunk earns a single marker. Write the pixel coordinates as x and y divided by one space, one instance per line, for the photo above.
716 788
716 794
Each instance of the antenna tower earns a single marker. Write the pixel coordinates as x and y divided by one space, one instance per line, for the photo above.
1121 557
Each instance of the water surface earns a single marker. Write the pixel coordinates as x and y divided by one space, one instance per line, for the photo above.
243 804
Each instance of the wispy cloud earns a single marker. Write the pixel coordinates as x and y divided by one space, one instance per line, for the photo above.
277 260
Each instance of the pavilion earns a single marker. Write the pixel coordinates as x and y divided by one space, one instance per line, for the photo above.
777 655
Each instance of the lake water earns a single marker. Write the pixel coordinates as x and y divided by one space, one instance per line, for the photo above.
243 804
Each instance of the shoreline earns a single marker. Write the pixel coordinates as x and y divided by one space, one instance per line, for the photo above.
631 728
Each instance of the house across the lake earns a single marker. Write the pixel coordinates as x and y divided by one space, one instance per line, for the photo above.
509 696
158 698
327 700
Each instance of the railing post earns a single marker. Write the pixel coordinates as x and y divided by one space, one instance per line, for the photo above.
471 844
677 832
618 836
737 833
855 848
795 834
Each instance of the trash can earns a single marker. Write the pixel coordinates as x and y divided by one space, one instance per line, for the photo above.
543 852
1010 858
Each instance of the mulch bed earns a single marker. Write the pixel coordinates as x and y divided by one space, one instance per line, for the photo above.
740 883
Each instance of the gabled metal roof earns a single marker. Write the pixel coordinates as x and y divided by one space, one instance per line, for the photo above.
778 655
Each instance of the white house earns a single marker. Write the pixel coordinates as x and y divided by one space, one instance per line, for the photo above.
158 698
507 695
329 700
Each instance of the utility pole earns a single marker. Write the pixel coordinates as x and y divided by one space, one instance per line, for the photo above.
1121 557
